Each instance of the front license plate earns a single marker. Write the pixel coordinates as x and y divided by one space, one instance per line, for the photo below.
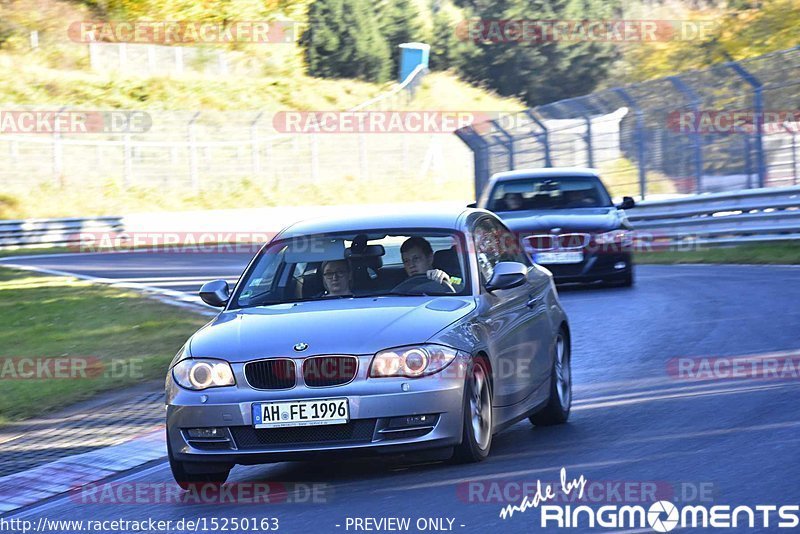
300 413
558 257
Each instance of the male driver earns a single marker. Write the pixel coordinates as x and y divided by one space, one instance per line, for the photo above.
417 257
336 277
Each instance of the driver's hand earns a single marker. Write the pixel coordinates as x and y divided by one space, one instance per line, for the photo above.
438 275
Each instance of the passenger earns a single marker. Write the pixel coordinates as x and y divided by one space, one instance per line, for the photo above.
417 256
513 201
337 277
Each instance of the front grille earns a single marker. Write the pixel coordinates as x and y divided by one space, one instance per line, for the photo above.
573 241
323 371
278 373
355 431
541 242
545 242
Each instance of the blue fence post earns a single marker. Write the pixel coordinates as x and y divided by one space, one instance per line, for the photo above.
640 138
758 105
480 149
508 142
697 139
543 136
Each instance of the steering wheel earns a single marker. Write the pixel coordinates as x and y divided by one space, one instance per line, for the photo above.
423 284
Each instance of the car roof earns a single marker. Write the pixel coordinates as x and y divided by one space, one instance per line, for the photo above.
441 218
545 173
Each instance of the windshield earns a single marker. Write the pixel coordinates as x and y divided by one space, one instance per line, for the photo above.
549 193
352 265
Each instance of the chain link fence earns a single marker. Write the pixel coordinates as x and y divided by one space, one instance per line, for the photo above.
191 150
732 126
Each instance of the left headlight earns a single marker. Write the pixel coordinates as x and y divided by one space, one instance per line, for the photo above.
199 374
614 237
412 362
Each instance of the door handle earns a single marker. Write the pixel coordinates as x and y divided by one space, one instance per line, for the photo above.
533 301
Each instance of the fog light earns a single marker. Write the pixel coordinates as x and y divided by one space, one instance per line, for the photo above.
413 420
205 433
620 265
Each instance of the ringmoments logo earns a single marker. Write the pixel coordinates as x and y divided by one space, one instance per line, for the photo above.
660 516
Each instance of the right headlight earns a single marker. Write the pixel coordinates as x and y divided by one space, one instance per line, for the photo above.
412 361
199 374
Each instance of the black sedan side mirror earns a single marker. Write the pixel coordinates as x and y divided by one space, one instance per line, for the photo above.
215 293
507 274
627 203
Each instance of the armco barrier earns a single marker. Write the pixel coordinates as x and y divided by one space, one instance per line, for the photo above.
53 232
753 215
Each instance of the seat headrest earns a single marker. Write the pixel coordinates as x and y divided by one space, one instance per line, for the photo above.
447 261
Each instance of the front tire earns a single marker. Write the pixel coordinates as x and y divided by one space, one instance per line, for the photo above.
558 405
477 434
192 474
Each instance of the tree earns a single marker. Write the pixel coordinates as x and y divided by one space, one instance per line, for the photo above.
448 50
342 40
541 70
399 22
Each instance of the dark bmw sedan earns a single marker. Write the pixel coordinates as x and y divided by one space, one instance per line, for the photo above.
566 222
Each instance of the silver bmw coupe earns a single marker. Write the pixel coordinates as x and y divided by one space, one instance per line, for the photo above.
393 334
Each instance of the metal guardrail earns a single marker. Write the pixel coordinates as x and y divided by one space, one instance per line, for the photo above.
755 215
54 232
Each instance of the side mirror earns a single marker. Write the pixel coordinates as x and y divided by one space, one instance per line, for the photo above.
215 293
627 203
507 274
472 205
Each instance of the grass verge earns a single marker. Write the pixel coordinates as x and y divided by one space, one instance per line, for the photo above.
779 252
109 338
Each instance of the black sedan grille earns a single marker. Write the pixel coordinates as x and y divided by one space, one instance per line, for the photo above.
278 373
323 371
356 431
546 242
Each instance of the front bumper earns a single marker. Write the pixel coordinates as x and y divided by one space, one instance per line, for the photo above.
595 266
373 402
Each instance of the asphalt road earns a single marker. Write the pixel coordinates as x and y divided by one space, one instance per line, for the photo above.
634 425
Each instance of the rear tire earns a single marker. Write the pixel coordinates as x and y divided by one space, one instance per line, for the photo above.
477 434
190 475
556 411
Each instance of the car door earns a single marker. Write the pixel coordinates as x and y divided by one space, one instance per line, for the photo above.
515 318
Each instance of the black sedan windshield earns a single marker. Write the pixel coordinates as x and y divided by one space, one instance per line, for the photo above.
548 193
348 265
